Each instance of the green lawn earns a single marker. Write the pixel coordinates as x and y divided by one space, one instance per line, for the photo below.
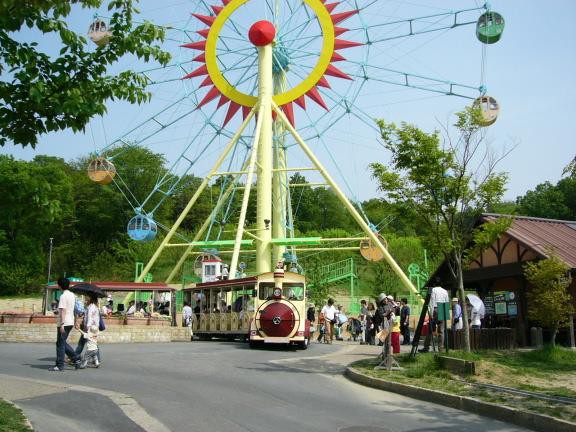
550 371
11 418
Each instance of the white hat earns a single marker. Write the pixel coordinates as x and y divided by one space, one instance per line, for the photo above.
381 297
390 297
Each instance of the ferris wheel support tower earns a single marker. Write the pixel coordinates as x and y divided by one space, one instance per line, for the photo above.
261 162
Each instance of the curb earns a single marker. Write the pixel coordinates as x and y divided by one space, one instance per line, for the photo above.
528 420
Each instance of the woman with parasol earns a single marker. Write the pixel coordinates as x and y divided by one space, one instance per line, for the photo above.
91 317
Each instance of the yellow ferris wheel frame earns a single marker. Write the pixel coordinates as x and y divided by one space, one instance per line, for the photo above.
228 90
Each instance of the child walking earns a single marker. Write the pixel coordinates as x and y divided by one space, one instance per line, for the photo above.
90 354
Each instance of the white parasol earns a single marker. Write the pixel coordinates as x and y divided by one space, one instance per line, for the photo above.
477 304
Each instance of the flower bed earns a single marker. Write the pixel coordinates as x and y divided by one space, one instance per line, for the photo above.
139 321
43 319
16 317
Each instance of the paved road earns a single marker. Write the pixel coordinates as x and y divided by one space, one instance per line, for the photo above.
215 386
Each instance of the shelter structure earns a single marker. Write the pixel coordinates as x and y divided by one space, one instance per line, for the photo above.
159 296
497 275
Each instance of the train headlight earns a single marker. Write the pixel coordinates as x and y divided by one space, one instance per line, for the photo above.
277 293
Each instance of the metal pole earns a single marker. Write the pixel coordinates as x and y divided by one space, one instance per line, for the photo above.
50 260
246 197
351 209
45 298
265 161
203 227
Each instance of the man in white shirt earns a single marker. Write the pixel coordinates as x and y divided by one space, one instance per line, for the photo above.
329 312
65 323
438 297
131 309
186 314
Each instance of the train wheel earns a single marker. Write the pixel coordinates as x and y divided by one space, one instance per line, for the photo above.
304 345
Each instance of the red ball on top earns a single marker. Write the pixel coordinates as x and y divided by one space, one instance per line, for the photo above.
262 33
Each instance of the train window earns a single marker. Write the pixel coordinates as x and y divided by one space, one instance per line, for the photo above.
290 291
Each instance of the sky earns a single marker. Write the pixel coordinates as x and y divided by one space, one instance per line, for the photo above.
531 72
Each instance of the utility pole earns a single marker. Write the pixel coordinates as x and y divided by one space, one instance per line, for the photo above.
44 298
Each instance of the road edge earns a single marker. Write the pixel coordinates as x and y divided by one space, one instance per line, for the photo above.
126 403
537 422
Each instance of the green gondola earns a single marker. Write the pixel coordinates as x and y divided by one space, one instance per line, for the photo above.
490 27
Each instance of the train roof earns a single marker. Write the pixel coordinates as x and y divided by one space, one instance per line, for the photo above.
288 277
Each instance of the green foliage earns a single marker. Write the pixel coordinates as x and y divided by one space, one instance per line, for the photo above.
318 290
550 201
318 209
441 186
36 203
40 93
549 302
12 419
570 169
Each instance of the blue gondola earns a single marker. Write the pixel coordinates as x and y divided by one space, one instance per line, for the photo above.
142 228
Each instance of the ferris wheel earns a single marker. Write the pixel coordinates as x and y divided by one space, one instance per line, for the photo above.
256 84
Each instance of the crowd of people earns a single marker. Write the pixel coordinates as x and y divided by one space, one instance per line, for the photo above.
386 317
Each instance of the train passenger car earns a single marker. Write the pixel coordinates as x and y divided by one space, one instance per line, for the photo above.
266 309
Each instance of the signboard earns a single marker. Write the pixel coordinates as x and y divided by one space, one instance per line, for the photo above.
512 308
500 308
489 305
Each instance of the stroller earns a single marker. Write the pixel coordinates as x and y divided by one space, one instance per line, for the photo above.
354 328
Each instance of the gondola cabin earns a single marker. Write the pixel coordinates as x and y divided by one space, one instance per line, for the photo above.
101 171
98 32
489 27
142 228
489 109
262 309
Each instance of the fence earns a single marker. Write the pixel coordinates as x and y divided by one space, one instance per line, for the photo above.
481 339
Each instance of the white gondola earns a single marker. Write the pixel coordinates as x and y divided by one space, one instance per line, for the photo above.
489 108
98 32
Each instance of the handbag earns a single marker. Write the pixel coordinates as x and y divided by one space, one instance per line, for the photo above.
101 324
382 335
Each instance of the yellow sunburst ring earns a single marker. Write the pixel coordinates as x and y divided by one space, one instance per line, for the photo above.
229 91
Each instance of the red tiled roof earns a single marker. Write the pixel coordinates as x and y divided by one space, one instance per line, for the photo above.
541 234
126 286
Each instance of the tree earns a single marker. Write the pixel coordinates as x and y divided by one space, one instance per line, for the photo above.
36 204
40 93
546 201
446 185
570 169
549 302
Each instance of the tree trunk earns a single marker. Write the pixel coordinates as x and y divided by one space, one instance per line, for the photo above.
462 296
553 338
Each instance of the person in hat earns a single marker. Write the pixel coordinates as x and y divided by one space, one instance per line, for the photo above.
457 323
90 355
65 323
225 272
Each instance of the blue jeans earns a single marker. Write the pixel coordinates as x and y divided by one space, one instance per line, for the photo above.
63 348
